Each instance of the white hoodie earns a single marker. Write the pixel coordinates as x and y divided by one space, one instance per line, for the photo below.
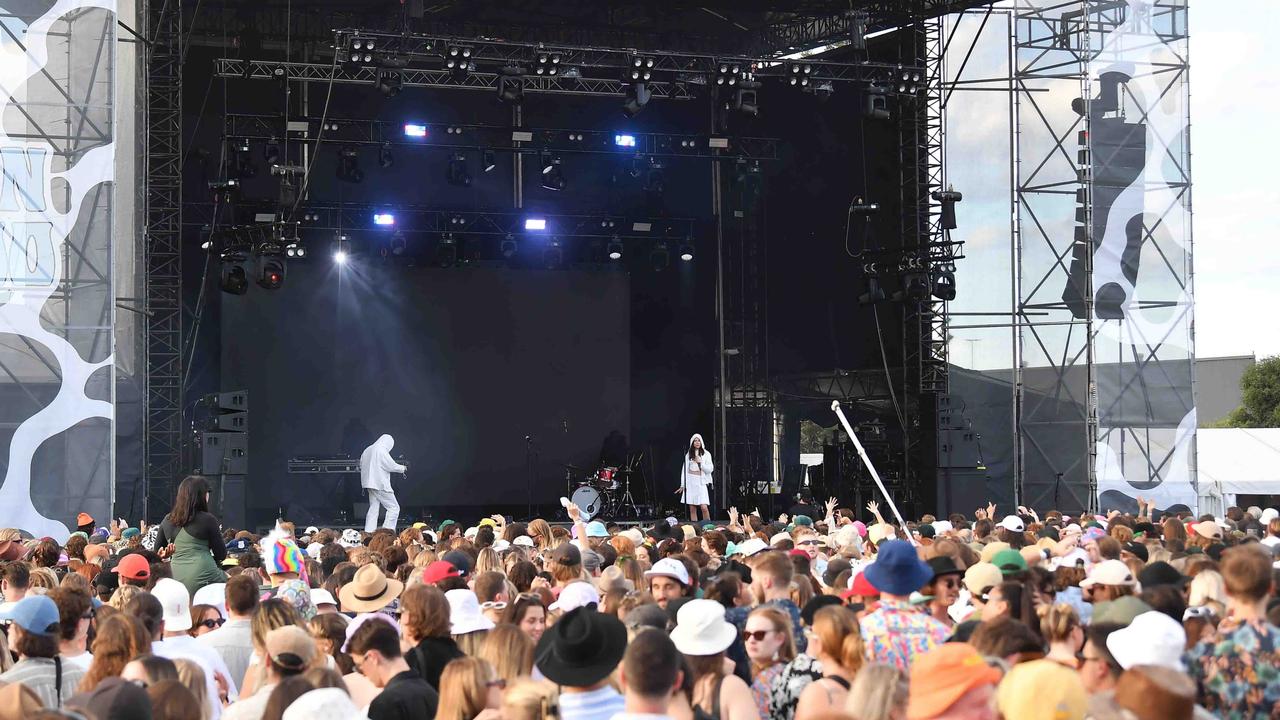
707 466
376 464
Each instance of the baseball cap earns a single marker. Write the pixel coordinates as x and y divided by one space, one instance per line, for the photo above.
320 596
439 570
523 541
37 614
751 546
990 549
567 554
1109 572
982 575
458 559
1121 611
133 566
1009 561
669 567
943 675
1153 638
1041 690
575 595
290 647
176 602
1012 523
1137 550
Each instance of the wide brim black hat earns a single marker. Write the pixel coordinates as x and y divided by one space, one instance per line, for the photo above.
582 648
943 565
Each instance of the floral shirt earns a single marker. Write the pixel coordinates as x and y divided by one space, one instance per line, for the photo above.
1237 671
762 688
897 631
794 677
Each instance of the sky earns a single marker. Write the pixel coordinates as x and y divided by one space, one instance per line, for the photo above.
1234 83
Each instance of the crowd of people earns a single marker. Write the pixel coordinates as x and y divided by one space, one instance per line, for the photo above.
845 616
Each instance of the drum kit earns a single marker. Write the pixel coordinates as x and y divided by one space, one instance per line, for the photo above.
604 493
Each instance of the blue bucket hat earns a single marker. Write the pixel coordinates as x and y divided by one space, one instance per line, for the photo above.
897 569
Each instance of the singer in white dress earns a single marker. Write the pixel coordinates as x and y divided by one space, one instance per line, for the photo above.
695 479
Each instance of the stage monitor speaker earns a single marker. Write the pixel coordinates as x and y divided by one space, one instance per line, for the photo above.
224 452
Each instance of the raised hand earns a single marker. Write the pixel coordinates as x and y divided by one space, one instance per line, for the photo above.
782 518
991 511
831 505
575 512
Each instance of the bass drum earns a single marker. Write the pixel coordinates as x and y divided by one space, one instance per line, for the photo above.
590 500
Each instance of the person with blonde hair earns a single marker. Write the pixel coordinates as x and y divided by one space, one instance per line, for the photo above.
509 651
270 614
879 692
527 699
1208 588
1060 626
192 677
836 642
468 687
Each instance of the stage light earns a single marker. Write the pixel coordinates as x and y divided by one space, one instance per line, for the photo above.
660 257
511 85
656 181
944 284
874 103
614 249
746 100
637 97
389 82
488 160
348 169
553 255
415 131
384 219
340 257
457 173
385 158
686 252
552 176
447 251
271 272
535 223
234 280
624 140
295 250
509 247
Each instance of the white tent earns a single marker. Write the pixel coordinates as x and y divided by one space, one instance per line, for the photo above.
1236 461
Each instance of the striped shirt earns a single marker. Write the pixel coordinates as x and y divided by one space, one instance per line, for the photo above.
600 704
41 677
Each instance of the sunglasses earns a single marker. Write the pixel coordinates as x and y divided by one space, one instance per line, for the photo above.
810 542
757 635
499 605
211 624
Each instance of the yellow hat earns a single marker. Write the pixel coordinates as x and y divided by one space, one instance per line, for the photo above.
419 525
991 549
1042 690
487 521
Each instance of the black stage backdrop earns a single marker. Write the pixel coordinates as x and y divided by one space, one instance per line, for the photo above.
459 365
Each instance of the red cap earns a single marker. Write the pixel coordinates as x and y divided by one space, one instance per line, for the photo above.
133 567
799 553
439 570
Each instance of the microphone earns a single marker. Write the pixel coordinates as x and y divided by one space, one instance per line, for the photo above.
565 424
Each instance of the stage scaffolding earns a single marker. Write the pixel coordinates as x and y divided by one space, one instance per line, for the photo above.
1102 377
163 254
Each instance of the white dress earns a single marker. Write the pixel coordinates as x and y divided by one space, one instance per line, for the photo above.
696 477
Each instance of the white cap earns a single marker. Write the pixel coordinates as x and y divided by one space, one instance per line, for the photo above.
779 538
1268 514
1012 523
672 568
751 546
942 526
320 596
1109 572
311 530
1153 638
500 545
215 595
470 532
313 550
523 541
176 602
575 595
324 704
464 612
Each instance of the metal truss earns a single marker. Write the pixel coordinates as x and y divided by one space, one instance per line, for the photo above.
499 138
262 219
400 50
1066 157
163 254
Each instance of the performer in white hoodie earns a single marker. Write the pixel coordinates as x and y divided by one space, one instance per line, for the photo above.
376 466
695 479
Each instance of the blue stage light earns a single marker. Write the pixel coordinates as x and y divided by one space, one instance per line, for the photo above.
624 140
415 131
535 223
384 219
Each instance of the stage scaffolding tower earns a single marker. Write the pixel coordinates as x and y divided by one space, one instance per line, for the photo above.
1103 363
163 254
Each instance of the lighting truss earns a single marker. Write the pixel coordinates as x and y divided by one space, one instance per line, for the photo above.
353 217
263 128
